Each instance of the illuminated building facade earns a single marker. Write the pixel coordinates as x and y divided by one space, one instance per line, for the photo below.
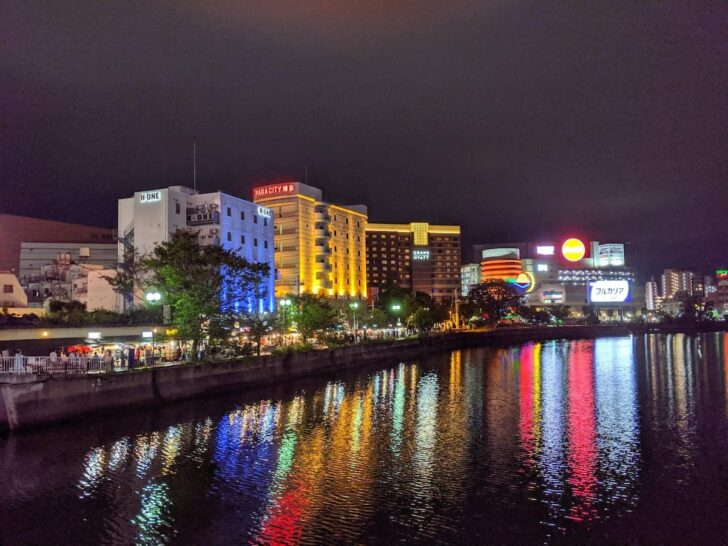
320 248
676 282
151 217
568 271
417 256
653 301
469 276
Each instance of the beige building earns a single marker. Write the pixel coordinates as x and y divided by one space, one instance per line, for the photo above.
320 248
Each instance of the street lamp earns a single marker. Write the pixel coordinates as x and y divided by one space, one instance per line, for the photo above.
354 305
396 307
285 304
153 297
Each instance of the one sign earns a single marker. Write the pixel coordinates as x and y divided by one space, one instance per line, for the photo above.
94 335
262 211
147 335
609 291
573 250
274 190
545 250
150 196
420 254
721 274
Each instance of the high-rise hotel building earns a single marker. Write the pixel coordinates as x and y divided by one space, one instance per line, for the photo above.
320 248
151 217
416 256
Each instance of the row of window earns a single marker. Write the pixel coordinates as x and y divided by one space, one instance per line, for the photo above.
229 212
242 240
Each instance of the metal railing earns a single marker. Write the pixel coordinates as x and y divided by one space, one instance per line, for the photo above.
53 365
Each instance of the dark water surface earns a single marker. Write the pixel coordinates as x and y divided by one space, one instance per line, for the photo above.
608 440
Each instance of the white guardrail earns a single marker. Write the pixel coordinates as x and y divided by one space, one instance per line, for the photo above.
46 364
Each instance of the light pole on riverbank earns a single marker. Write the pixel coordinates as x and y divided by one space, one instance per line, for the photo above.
354 305
285 303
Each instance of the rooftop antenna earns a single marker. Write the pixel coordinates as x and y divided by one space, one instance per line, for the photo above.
194 165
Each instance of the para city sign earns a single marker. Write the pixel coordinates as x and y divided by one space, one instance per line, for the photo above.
609 291
274 190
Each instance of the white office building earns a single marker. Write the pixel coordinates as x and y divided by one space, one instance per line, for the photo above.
151 217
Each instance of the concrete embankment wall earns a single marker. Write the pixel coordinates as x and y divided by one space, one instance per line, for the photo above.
35 400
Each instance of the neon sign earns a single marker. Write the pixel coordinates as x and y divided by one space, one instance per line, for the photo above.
545 250
721 274
262 211
420 254
573 250
523 281
609 291
274 190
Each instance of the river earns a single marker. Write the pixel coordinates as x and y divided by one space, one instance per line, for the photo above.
612 440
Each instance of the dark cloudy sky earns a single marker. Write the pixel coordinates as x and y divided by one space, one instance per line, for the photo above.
518 119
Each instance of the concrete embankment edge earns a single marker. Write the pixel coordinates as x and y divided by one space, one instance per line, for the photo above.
33 400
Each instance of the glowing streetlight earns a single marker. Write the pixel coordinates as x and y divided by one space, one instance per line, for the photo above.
354 305
285 303
396 307
153 297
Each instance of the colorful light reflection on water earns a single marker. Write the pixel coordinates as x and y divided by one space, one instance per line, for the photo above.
611 439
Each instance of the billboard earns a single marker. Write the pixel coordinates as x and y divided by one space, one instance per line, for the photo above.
617 291
275 190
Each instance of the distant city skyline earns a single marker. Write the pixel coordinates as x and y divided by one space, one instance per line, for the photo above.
517 122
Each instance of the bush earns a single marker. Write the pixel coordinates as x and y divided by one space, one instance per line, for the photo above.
292 349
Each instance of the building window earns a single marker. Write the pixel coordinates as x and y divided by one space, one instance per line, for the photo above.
265 221
7 288
265 244
176 208
229 212
255 242
229 236
255 218
242 215
242 239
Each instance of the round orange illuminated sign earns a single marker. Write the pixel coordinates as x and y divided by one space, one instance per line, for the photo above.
573 250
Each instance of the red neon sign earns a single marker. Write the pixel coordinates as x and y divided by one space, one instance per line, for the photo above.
274 190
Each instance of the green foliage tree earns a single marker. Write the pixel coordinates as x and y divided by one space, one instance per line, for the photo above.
313 314
560 312
202 284
493 299
128 276
423 319
533 315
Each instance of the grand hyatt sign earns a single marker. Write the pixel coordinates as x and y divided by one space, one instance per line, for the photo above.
274 190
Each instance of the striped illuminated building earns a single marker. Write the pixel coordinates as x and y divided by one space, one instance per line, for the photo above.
416 256
319 247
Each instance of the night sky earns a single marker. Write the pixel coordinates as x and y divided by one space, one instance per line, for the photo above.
518 120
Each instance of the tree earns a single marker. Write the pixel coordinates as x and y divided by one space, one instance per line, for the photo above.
258 327
312 314
422 319
560 312
493 299
128 276
202 284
